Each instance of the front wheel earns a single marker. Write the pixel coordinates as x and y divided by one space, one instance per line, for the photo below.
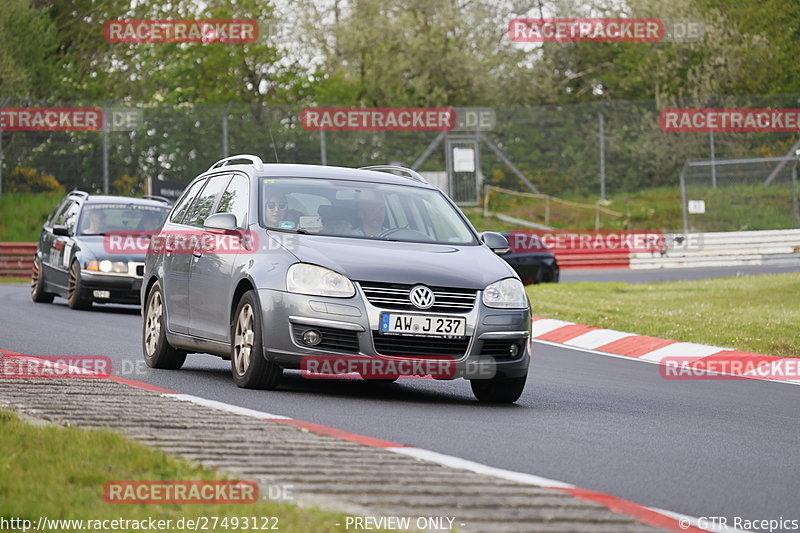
77 296
38 294
158 353
250 368
498 390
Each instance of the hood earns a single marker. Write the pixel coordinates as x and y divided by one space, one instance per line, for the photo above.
94 247
441 265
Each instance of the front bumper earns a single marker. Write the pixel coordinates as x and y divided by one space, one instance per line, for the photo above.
112 287
351 327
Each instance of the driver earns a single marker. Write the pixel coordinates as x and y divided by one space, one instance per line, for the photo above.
276 209
96 222
372 214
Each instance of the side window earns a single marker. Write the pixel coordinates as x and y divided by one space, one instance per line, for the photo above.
236 199
56 211
185 202
202 205
68 215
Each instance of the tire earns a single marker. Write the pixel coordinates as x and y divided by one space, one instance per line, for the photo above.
157 351
77 296
249 367
498 390
38 294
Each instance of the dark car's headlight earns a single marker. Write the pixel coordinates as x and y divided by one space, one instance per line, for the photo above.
304 278
507 293
106 266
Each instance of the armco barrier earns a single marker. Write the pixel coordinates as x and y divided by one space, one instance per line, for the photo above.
16 259
740 248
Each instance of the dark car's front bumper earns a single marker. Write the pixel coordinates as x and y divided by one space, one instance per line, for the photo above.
111 287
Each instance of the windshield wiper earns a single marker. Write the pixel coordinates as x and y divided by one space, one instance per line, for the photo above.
286 230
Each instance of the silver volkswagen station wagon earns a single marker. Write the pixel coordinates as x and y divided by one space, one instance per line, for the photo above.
275 265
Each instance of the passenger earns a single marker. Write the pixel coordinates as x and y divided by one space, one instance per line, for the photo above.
276 210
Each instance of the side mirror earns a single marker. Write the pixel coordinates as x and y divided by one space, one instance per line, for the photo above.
60 230
495 241
220 222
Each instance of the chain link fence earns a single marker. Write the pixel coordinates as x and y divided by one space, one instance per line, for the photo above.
581 152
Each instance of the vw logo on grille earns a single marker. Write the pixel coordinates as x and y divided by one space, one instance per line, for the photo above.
421 296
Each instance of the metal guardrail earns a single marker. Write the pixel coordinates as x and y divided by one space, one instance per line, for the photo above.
16 259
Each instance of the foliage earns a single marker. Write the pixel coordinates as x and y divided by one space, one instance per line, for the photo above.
24 179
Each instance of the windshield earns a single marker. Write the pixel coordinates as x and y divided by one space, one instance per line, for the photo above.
361 210
99 219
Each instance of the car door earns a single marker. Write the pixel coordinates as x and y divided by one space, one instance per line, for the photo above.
202 206
212 282
175 282
56 259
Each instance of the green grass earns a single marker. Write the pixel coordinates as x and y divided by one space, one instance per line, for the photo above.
751 313
482 223
22 215
60 472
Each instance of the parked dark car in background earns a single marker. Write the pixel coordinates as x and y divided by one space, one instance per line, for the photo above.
72 260
535 265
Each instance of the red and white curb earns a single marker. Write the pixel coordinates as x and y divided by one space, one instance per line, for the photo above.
703 358
659 518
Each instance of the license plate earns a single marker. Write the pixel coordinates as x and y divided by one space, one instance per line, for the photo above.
424 325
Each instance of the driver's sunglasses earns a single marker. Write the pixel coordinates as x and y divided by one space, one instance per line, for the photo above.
278 205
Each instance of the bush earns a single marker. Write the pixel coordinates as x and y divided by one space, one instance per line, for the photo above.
23 179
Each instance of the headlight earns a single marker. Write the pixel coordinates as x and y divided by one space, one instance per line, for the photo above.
119 267
507 293
304 278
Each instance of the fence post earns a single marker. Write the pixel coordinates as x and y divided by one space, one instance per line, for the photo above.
323 149
225 130
602 134
105 149
683 202
713 159
5 101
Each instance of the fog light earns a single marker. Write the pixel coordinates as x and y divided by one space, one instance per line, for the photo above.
514 350
312 337
101 294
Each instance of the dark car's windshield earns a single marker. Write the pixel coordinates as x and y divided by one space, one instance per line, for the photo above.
361 210
102 218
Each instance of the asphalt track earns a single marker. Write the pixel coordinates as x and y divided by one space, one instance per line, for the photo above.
704 448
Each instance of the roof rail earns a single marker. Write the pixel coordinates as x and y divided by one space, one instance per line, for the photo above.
158 198
408 173
76 192
254 160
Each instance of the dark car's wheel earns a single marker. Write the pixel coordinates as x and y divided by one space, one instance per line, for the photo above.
498 390
250 368
158 353
38 294
77 296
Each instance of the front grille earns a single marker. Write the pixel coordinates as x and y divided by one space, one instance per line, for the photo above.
395 296
400 345
500 348
338 340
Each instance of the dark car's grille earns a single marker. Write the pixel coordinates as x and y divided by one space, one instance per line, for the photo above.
400 345
395 296
339 340
500 348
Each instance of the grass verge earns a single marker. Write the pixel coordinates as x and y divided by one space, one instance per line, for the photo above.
60 472
752 313
22 215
